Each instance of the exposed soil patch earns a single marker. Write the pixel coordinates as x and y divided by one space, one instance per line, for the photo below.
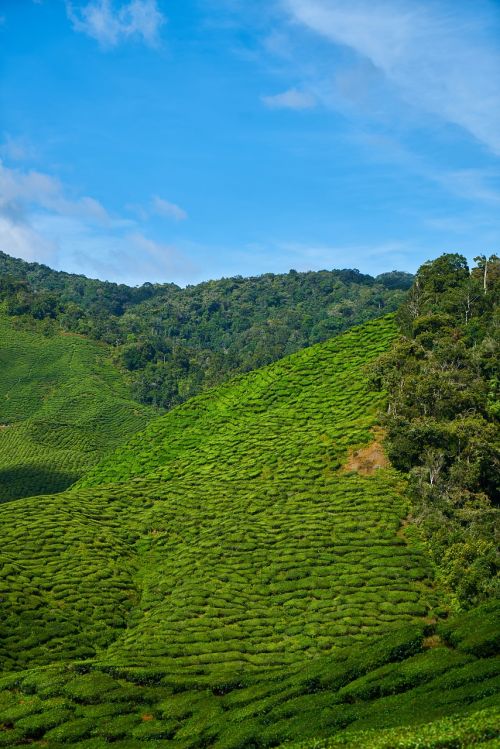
4 426
433 641
366 460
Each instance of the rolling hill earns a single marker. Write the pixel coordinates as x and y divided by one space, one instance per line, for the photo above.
177 341
232 578
63 405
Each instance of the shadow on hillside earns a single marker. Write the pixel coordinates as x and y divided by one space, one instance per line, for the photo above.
30 480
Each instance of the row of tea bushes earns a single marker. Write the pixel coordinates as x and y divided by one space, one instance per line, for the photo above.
220 582
63 405
363 698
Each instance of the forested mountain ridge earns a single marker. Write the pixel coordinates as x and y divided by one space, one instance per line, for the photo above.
177 341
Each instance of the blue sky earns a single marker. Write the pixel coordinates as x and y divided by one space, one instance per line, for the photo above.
181 140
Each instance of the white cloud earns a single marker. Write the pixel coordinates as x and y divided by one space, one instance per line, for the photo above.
473 184
16 149
124 255
19 239
479 185
442 57
170 210
110 25
38 221
306 256
291 99
20 189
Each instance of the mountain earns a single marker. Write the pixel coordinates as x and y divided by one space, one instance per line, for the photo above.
63 406
242 573
83 360
176 342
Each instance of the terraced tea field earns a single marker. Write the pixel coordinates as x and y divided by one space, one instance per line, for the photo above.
292 420
221 581
63 405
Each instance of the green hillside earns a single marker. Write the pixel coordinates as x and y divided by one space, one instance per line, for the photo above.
178 341
63 405
226 579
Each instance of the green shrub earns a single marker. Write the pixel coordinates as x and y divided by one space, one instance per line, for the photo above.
35 726
476 631
90 688
71 731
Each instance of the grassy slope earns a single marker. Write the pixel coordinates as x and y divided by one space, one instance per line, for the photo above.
219 582
62 407
290 420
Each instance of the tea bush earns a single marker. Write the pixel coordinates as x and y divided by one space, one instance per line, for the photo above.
63 405
221 581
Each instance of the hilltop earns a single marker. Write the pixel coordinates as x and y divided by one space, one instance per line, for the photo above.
63 406
225 579
175 341
86 363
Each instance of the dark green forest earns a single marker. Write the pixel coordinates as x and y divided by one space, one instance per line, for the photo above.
176 341
442 377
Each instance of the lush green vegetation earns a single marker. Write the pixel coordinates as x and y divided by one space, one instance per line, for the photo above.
223 581
176 342
63 405
443 376
456 732
363 699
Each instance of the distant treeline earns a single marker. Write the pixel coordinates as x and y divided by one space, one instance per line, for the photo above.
176 341
443 378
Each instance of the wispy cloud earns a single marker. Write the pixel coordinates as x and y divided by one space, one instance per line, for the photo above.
478 185
441 58
111 25
40 220
291 99
475 185
16 148
157 207
170 210
305 256
20 189
20 239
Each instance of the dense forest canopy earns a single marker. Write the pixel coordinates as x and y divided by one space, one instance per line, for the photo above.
442 378
177 341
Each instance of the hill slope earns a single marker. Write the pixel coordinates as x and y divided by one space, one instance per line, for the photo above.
178 341
221 580
63 405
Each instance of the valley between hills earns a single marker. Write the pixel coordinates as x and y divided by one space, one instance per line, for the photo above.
236 571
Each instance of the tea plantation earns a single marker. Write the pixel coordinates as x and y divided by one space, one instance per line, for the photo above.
63 405
223 581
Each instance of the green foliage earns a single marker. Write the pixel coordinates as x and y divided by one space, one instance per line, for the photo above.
249 467
177 342
221 581
63 405
442 381
478 729
475 632
349 696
